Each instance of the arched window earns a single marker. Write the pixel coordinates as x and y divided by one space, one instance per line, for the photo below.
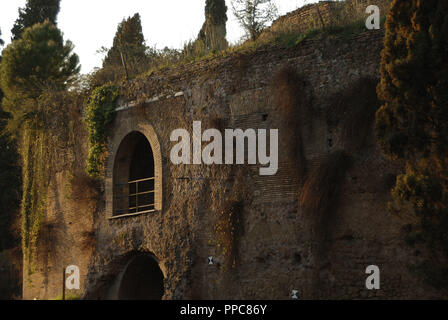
134 177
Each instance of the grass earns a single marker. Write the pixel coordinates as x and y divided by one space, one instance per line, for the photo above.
283 39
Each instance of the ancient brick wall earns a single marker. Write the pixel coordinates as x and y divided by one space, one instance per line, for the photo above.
278 247
324 14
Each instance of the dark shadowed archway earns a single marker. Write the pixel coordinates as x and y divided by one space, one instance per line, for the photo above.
142 279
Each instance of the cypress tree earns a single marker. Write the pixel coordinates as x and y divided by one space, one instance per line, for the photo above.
129 45
213 32
1 41
412 125
35 11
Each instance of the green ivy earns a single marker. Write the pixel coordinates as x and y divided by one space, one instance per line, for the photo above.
36 157
100 114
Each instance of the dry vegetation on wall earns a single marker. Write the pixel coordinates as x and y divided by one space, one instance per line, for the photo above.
294 104
229 229
353 110
47 145
321 189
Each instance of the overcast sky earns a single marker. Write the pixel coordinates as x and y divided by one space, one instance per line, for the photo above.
92 24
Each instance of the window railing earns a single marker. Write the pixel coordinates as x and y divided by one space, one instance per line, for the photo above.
141 196
138 199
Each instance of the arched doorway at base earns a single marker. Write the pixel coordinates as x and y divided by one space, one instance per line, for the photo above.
140 279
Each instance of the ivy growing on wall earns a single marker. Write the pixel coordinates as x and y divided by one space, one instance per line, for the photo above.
44 140
100 114
35 73
35 185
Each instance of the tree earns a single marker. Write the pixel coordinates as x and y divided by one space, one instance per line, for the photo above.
1 44
9 180
35 11
253 15
35 73
9 184
213 32
129 48
34 63
412 125
1 41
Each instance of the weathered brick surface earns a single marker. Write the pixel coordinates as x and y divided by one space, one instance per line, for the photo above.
324 14
281 248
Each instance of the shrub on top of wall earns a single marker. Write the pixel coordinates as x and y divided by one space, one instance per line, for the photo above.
100 114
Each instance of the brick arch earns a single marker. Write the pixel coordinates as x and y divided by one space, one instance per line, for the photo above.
120 144
120 274
141 279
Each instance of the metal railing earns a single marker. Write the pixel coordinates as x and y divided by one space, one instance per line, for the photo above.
137 197
143 203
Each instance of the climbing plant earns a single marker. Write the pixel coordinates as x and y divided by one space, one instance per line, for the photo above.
35 185
99 115
35 73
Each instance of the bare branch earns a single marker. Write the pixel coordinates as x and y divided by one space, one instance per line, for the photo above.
254 15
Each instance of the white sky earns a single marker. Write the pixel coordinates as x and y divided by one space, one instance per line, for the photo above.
92 24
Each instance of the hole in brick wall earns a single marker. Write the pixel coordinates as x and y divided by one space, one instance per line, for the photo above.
260 259
298 258
348 237
265 117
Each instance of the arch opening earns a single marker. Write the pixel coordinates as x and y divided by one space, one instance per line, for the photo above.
134 177
142 280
